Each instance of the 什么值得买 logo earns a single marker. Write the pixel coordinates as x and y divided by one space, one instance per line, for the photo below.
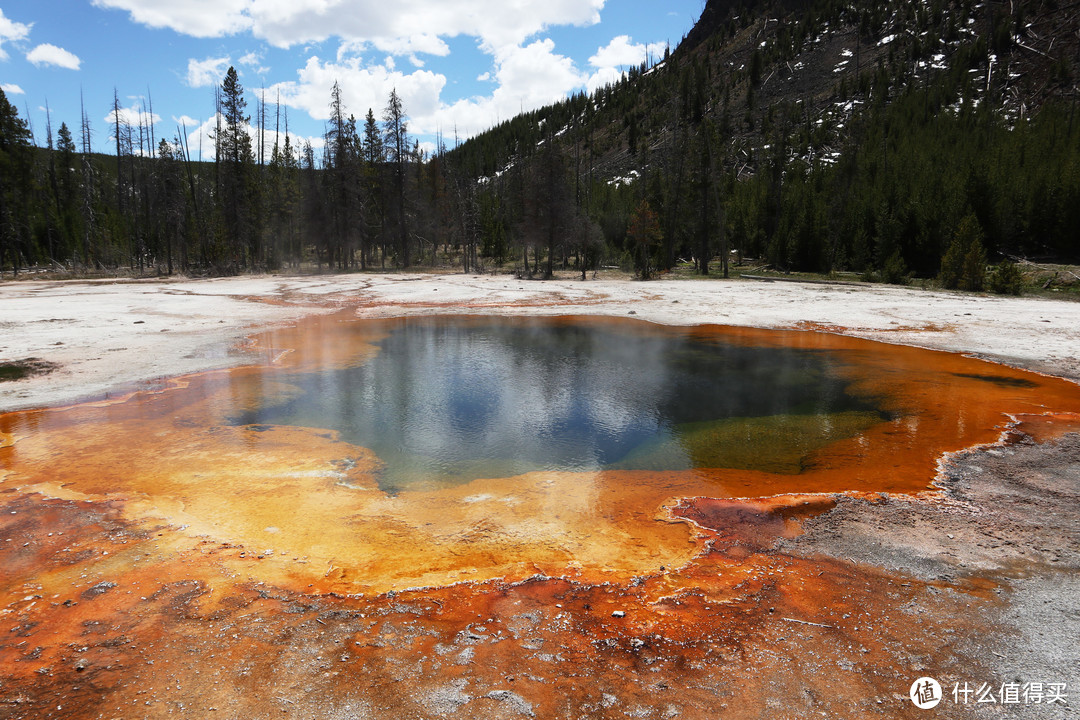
925 693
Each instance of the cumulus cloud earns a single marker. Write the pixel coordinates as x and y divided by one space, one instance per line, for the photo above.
186 121
425 43
290 22
620 51
527 77
12 89
526 72
133 116
47 54
361 88
11 31
198 18
253 60
535 74
206 72
612 60
200 138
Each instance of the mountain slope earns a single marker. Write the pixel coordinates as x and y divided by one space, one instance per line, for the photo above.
839 135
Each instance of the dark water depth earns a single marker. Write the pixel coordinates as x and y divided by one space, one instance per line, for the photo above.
447 400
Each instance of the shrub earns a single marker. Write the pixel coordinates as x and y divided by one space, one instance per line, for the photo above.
964 263
895 270
1006 279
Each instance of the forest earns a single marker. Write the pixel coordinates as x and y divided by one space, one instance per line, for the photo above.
914 161
368 199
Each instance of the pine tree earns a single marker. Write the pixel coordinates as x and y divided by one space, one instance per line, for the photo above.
67 190
645 236
236 160
169 200
396 144
374 162
964 264
15 179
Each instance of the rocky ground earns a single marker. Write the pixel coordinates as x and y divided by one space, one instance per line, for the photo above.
1007 520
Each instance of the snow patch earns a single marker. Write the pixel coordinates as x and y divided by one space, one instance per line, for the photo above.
627 179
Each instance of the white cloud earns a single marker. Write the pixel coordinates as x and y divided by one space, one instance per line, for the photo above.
253 60
12 89
199 18
527 72
423 43
612 60
133 116
201 138
361 88
620 51
428 148
291 22
206 72
351 48
11 31
535 75
528 77
186 121
47 54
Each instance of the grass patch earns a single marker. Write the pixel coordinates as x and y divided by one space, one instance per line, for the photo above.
20 369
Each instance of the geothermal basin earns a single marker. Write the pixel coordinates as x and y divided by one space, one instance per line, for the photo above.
490 516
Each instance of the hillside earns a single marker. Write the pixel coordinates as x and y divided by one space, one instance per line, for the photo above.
917 115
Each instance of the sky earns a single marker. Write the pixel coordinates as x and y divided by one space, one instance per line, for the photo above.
459 66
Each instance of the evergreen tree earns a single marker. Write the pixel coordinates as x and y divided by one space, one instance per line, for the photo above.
964 264
343 149
169 201
236 160
396 145
15 179
67 190
374 167
645 235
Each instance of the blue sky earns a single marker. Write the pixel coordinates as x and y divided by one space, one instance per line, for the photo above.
464 64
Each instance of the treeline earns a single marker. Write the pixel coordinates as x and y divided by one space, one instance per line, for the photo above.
911 175
368 198
918 156
918 173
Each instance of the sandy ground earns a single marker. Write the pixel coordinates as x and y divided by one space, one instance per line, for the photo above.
107 335
978 584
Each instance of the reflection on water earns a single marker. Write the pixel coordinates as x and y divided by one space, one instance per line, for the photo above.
509 447
450 400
